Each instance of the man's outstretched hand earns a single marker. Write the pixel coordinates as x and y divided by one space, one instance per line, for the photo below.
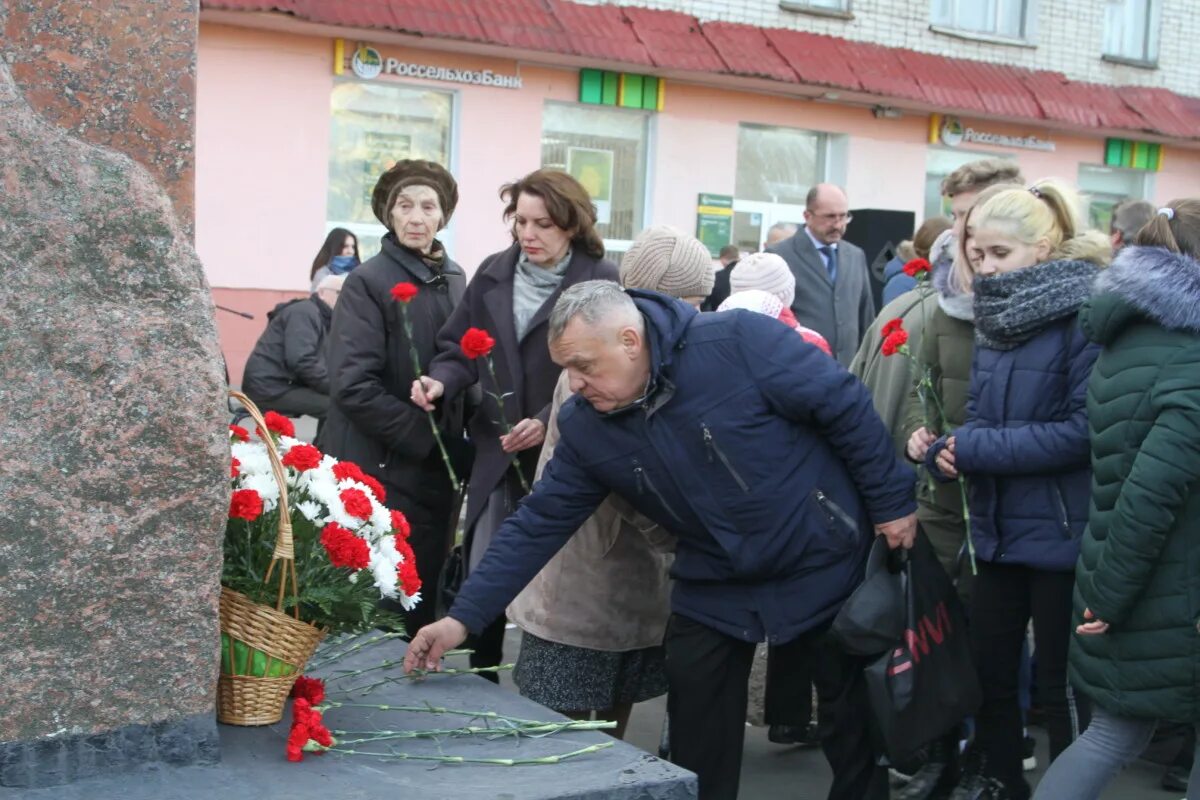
426 649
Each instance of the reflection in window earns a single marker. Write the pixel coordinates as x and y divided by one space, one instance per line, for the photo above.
1131 29
778 165
1104 187
374 125
1006 18
605 149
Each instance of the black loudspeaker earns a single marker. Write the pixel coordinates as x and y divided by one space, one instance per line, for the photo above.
878 231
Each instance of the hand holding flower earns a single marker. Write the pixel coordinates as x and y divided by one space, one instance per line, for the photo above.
918 444
426 391
525 434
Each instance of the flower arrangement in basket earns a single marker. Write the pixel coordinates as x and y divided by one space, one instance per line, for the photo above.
309 549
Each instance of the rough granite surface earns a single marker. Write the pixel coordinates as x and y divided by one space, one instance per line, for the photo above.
113 476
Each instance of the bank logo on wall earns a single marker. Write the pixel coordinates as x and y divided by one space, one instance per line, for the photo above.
367 63
952 132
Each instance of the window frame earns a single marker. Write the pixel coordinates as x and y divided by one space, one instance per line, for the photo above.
1151 42
1026 38
846 12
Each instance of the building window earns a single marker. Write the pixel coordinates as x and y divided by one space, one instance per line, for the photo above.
1103 187
832 7
1131 30
374 125
940 162
775 169
605 149
1006 19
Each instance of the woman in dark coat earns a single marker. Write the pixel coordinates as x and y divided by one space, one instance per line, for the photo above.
555 245
371 421
1024 452
1136 652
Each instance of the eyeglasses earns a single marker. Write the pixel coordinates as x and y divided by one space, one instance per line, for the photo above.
834 217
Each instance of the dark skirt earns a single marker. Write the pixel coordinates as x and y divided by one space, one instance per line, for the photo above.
573 679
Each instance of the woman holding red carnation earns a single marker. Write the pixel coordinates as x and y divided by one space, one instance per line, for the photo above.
388 316
555 245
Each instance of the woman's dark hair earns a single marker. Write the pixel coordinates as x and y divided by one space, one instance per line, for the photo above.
332 247
1178 232
567 203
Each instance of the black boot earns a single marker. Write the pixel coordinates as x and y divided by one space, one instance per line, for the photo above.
975 784
938 776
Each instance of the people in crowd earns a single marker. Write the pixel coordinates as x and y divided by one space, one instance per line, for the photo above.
1134 650
833 287
779 232
728 258
584 646
1128 217
555 246
371 421
337 256
287 372
896 281
1023 450
764 458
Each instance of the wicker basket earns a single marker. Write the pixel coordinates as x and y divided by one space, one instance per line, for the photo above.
263 650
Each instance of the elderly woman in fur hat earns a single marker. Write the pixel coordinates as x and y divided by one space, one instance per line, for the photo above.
371 420
555 245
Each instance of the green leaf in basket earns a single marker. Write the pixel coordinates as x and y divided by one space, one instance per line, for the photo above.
226 659
288 669
274 668
258 664
241 657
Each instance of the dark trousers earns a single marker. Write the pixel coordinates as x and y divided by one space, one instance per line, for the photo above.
789 688
299 401
1004 599
708 673
488 648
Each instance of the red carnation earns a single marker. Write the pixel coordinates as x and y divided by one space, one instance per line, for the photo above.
476 342
892 326
306 725
344 548
404 292
410 581
277 423
916 267
245 504
302 457
375 486
311 689
400 525
234 468
356 502
894 341
239 433
347 470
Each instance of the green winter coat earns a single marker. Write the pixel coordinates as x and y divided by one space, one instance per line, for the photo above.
1139 566
946 346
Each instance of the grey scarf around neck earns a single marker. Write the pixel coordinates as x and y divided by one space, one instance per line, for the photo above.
532 287
1013 307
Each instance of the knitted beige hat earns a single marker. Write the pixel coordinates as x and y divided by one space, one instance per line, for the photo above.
765 271
667 260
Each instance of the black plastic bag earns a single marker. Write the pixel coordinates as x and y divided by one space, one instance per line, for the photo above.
872 619
926 684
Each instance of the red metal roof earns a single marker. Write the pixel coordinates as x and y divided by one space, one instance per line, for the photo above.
673 40
1164 110
599 32
816 59
747 52
676 41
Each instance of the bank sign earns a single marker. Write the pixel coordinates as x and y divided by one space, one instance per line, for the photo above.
367 63
952 133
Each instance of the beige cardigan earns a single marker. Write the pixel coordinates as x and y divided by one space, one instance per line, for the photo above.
607 589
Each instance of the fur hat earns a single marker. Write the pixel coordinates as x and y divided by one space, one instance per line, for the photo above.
414 172
663 259
765 271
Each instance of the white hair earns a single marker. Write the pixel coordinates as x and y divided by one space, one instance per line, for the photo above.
593 302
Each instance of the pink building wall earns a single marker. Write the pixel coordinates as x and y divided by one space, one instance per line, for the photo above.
262 145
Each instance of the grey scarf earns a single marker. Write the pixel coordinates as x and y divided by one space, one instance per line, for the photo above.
954 302
532 287
1012 307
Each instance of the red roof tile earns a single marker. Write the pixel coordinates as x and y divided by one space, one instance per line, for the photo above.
599 32
1000 88
815 59
880 71
1163 110
285 6
944 84
526 24
350 13
1110 109
747 52
673 40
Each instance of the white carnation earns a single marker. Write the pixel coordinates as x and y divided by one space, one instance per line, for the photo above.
312 511
266 487
252 458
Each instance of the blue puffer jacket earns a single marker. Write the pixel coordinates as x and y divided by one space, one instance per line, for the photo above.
1024 448
762 454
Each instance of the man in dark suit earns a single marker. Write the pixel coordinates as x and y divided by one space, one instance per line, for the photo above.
833 288
729 258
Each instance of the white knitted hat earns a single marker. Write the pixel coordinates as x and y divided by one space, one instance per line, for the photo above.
765 271
663 259
753 300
